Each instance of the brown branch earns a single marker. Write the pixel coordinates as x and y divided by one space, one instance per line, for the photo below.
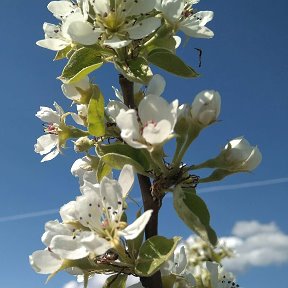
151 228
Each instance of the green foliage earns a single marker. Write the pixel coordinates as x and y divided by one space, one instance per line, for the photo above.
116 281
136 70
194 212
153 253
116 155
62 53
82 62
168 61
96 124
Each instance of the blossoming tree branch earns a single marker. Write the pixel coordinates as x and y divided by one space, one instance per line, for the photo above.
129 134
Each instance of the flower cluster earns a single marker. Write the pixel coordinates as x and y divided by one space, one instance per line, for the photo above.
91 225
117 23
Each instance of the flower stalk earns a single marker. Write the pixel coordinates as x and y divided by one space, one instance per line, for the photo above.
151 228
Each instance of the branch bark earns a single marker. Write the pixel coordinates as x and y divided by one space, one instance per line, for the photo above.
151 229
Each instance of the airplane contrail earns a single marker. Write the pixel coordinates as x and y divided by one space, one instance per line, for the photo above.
200 191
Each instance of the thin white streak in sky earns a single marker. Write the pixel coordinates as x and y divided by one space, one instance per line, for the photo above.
200 191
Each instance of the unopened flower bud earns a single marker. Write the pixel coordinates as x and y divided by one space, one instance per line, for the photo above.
241 156
206 107
83 144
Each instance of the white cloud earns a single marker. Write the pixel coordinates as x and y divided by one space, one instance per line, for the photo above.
256 244
98 281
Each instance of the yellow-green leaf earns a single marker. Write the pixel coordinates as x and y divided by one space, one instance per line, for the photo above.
153 253
168 61
96 124
82 62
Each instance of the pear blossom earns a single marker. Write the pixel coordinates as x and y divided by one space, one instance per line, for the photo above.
81 117
92 223
73 29
73 91
177 265
151 125
48 143
83 169
239 155
219 278
206 106
89 22
156 86
45 262
181 15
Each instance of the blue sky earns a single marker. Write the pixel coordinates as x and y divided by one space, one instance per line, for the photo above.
246 62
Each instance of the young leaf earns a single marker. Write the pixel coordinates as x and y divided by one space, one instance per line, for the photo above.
116 281
62 53
136 155
96 124
168 61
82 62
153 253
102 170
194 212
136 70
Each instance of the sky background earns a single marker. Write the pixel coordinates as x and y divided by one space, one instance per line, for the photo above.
246 61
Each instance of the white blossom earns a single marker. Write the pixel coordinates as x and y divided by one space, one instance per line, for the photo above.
48 143
219 278
182 16
91 224
73 91
239 155
153 123
206 106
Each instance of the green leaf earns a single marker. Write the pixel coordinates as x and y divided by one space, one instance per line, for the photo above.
111 153
62 53
168 61
153 253
96 124
136 70
194 212
82 62
102 170
116 281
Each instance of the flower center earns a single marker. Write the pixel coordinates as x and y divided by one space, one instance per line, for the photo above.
51 128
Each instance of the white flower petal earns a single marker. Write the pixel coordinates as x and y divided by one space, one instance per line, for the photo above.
45 262
111 193
68 211
116 42
143 28
89 209
101 6
156 85
94 243
155 109
77 119
46 143
134 229
48 115
157 133
53 44
128 123
71 91
68 247
83 33
51 155
61 9
54 228
172 9
126 179
139 7
213 269
113 108
181 261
